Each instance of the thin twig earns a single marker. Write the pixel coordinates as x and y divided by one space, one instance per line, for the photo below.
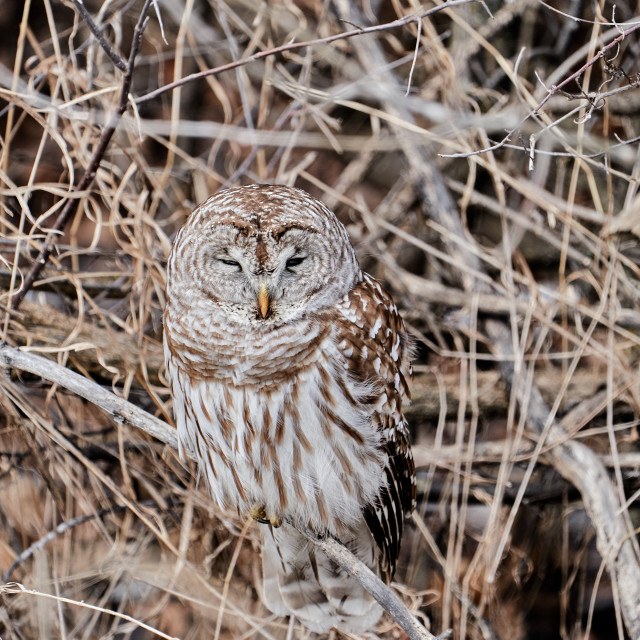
70 207
59 530
585 66
292 46
14 588
415 57
97 32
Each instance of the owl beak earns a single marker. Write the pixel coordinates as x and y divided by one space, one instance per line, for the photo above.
264 301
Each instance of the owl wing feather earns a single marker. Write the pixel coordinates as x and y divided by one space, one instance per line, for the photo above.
372 336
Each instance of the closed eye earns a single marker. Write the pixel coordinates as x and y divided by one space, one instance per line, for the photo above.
294 262
231 263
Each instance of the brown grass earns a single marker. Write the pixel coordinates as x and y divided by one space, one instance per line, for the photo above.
492 225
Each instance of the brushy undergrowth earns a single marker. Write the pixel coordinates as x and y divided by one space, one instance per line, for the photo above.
470 198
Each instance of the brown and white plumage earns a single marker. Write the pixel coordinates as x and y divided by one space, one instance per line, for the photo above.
288 370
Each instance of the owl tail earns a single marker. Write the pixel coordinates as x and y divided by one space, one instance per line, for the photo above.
301 581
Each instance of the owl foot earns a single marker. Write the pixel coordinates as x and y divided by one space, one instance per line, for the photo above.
259 514
273 521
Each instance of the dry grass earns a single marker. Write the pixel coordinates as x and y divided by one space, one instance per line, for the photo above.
509 238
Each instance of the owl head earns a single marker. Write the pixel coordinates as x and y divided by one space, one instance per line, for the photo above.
263 255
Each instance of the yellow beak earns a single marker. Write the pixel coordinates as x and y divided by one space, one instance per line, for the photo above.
263 300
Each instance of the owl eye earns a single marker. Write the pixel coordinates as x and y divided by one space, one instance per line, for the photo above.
231 263
294 262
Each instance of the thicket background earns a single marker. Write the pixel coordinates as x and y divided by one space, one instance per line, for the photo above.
505 228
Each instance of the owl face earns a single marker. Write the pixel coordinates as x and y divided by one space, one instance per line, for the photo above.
274 258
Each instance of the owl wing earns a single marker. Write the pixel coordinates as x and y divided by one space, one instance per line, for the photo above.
372 337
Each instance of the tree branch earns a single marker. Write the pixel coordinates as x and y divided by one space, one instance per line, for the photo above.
388 600
123 412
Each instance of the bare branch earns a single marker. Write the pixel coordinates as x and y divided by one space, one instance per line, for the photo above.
389 601
123 412
59 530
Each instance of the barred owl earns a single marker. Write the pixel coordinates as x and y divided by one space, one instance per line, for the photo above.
288 368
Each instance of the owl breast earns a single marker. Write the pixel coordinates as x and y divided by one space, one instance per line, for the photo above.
299 445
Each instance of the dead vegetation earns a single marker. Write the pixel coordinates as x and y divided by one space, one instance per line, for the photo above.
487 168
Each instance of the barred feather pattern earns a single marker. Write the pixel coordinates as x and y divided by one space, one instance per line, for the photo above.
288 369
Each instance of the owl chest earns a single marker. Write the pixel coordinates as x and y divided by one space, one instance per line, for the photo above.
305 450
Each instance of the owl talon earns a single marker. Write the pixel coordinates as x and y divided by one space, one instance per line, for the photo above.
259 514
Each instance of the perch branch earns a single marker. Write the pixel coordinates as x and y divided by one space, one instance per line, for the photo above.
87 178
124 412
389 601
